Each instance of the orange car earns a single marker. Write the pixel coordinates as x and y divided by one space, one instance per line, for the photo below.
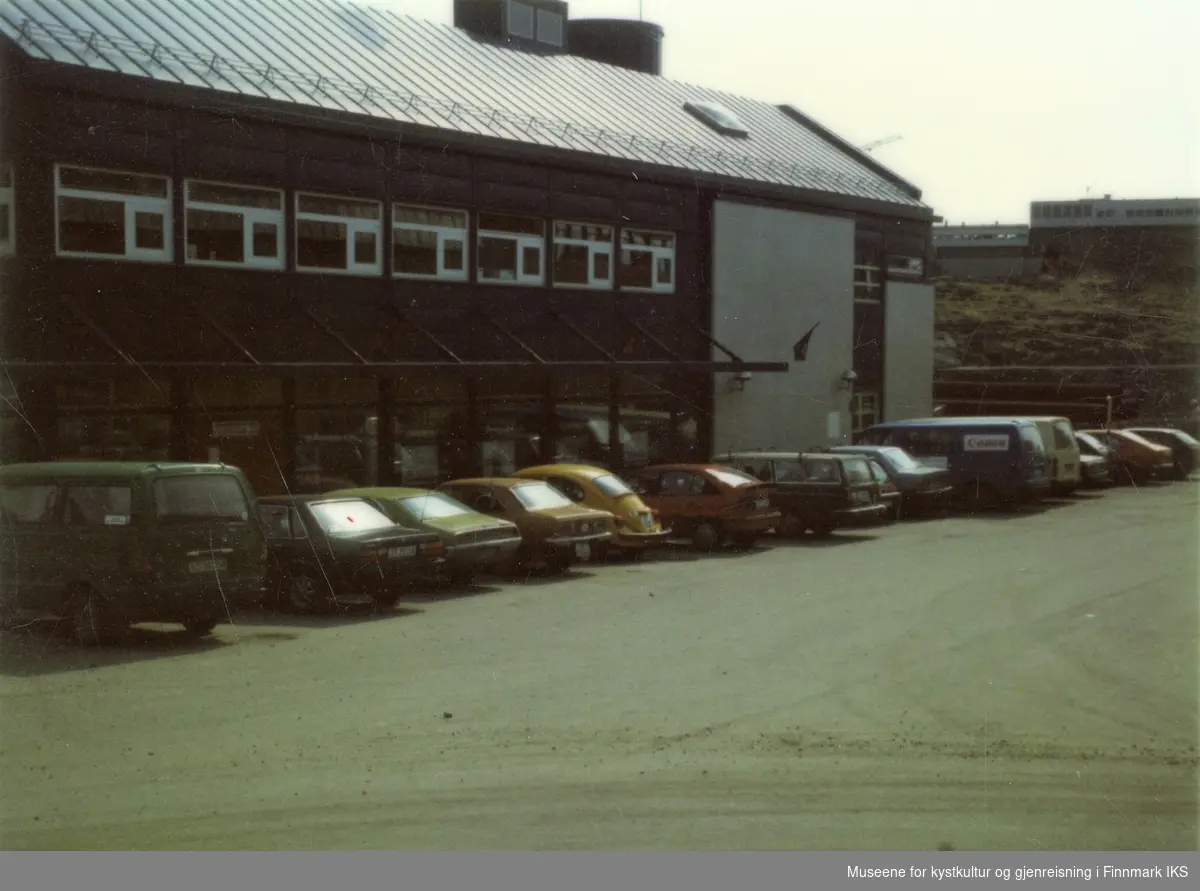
707 502
1139 459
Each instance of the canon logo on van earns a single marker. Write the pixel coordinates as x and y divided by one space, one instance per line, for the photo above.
986 443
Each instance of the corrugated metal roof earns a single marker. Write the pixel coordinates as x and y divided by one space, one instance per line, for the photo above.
352 57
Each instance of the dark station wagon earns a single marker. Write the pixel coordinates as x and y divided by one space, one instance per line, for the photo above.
815 492
336 551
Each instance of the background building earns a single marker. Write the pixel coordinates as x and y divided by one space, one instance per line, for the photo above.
1000 252
329 242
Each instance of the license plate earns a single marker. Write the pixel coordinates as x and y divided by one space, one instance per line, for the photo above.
762 504
406 551
210 564
583 551
862 497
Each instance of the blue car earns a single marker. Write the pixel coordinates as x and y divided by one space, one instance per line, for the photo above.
991 462
922 488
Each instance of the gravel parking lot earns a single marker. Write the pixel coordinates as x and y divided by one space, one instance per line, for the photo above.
994 682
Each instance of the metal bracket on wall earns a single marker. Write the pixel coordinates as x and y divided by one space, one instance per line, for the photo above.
87 320
581 334
427 334
520 344
342 342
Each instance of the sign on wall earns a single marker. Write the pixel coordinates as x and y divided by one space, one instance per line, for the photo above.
986 442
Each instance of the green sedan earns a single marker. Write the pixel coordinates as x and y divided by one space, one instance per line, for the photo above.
473 541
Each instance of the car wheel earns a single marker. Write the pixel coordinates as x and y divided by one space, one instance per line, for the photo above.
90 619
200 627
302 591
559 564
790 526
980 496
461 578
386 599
706 537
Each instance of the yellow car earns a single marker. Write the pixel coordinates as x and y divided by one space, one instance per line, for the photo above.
634 527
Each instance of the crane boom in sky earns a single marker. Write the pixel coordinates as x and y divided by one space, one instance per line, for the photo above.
887 140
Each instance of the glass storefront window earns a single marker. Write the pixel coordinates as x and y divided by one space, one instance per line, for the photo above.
432 439
662 416
582 428
335 449
513 421
113 393
250 439
329 391
237 392
115 437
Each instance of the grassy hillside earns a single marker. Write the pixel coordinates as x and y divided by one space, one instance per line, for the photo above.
1090 320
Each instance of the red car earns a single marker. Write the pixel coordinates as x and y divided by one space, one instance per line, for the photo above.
711 504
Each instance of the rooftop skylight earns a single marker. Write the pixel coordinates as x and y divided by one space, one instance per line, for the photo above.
718 117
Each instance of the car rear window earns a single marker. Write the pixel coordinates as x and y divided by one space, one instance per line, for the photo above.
200 498
30 503
541 496
901 459
1031 440
879 473
858 471
99 505
735 479
612 487
1064 436
433 507
349 517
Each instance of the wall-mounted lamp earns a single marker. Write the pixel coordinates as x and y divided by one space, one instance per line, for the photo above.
846 381
737 383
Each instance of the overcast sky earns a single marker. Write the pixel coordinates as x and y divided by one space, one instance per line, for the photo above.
998 103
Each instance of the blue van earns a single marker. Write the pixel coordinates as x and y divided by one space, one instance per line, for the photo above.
990 460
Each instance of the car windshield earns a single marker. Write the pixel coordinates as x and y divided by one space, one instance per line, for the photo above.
433 506
733 478
612 487
349 517
1130 436
200 498
540 496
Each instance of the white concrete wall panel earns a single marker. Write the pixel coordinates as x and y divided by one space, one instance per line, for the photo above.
776 273
908 351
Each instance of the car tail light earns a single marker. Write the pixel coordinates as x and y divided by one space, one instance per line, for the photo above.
372 556
433 548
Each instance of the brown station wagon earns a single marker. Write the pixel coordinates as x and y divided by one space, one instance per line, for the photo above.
554 530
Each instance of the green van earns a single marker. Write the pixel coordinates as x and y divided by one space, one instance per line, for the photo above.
108 544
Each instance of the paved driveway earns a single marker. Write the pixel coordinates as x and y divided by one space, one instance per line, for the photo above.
1003 682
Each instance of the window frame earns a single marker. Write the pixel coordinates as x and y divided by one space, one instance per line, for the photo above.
858 412
131 205
594 247
250 216
353 225
532 10
657 252
547 18
443 233
524 241
8 199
